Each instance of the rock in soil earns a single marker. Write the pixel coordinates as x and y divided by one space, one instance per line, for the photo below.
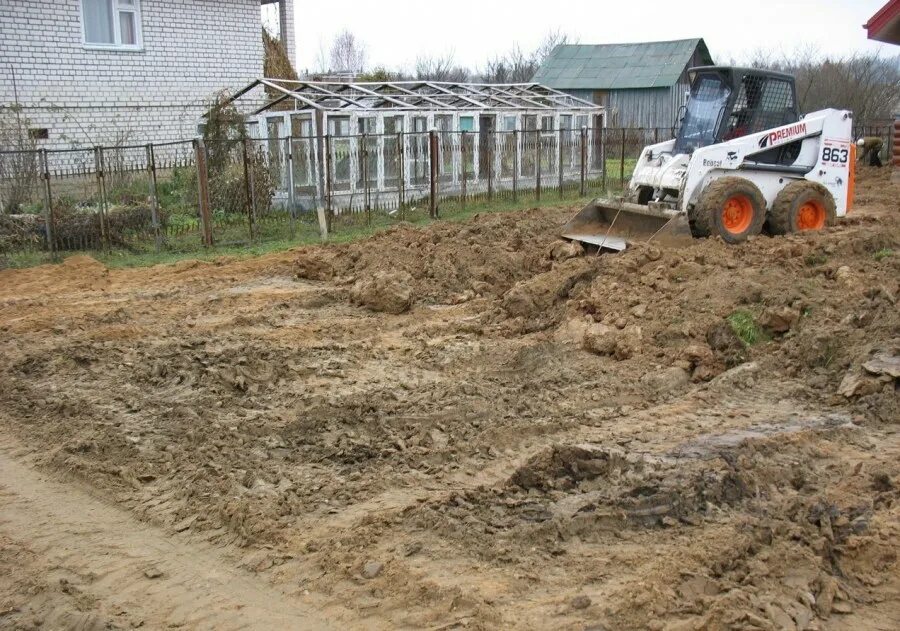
387 292
371 569
580 602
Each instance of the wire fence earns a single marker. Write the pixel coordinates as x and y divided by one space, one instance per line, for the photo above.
190 195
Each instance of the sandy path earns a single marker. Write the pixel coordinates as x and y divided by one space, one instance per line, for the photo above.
80 536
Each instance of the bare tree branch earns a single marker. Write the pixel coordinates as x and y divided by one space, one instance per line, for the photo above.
348 54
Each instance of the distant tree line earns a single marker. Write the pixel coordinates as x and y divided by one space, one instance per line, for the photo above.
347 57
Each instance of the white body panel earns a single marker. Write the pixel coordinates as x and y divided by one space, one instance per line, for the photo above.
825 157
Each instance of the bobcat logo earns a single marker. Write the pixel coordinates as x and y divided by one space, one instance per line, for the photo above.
764 142
732 155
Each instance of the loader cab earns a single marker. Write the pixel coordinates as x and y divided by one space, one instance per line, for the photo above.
727 103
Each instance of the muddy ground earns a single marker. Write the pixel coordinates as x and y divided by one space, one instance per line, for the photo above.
471 425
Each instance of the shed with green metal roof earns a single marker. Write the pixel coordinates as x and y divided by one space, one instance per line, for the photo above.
641 84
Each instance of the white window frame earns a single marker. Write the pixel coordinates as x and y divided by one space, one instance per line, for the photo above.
117 44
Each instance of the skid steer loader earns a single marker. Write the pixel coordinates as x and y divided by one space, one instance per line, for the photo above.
742 158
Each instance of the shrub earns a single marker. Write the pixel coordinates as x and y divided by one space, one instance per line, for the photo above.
225 133
19 171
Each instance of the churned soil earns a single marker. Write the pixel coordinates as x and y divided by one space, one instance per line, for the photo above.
469 425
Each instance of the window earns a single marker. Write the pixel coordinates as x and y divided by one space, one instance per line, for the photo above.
111 23
701 119
301 126
393 124
466 123
366 125
339 125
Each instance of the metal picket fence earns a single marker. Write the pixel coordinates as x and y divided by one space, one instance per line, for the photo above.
190 195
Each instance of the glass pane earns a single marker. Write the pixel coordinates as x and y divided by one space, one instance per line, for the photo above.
302 161
509 123
698 128
274 126
127 29
466 123
339 126
276 152
393 124
301 126
443 122
128 3
98 21
366 125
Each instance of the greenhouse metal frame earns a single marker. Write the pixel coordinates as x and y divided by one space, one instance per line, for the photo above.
349 145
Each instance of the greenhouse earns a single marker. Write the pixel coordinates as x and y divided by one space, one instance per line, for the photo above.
354 145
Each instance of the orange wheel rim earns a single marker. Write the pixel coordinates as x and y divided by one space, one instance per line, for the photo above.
811 216
737 214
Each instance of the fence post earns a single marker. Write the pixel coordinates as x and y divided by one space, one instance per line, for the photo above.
401 157
101 191
516 165
203 191
433 160
656 135
329 208
489 155
462 151
289 163
537 164
602 150
559 150
583 150
622 162
365 175
49 228
251 190
154 198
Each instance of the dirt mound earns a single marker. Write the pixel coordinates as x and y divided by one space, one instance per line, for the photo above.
485 256
712 306
535 297
75 273
388 292
314 264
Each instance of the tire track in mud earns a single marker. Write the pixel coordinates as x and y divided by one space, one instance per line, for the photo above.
132 568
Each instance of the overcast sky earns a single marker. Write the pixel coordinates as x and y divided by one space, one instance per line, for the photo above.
395 32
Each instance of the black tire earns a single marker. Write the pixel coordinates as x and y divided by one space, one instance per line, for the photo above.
644 195
709 213
791 210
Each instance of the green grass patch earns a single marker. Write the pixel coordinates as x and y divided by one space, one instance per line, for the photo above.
883 253
815 259
232 237
745 327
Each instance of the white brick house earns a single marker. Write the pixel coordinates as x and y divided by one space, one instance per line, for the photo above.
94 72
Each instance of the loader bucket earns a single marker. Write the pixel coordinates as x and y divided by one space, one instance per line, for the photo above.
612 224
